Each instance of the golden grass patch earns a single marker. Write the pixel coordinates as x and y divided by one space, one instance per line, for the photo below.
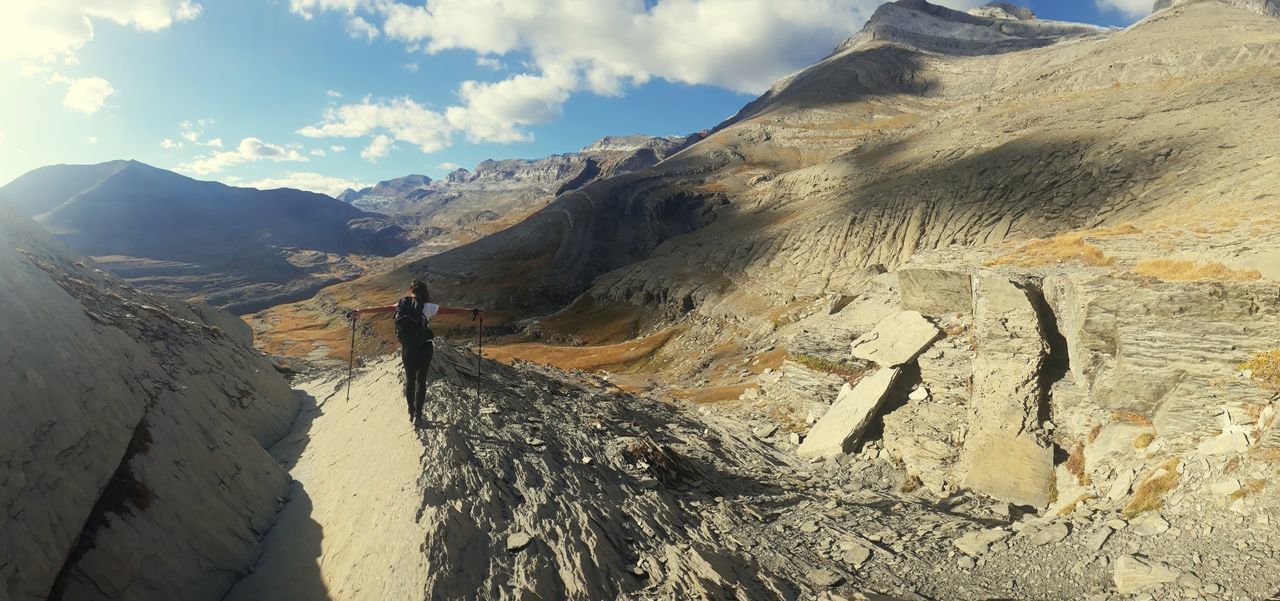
1064 248
717 394
1149 495
1188 271
1070 508
1132 417
1075 464
1249 488
1143 440
1265 368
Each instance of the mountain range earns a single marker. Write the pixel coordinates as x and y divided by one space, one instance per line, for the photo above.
978 306
239 248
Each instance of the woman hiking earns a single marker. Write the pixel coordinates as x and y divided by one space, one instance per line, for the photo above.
413 315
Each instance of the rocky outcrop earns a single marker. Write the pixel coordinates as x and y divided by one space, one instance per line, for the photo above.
1002 455
133 462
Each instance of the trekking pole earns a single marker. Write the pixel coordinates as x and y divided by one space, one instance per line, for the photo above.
475 313
351 357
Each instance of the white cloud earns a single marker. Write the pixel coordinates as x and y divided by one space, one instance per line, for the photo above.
91 139
404 119
495 112
447 166
741 45
333 93
215 143
249 150
306 180
378 148
411 67
358 28
190 136
317 152
337 148
53 29
87 94
1130 8
169 144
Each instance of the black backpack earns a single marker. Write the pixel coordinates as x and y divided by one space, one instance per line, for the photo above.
410 330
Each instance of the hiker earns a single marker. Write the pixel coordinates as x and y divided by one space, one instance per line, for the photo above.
413 315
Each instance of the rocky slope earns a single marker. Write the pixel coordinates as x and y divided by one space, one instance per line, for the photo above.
554 485
132 461
237 248
467 205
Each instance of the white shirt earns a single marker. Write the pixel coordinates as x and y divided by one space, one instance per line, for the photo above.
428 311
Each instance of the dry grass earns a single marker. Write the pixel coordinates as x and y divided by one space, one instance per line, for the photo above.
1132 417
1266 369
1063 248
1075 464
1267 454
1143 440
1149 495
1187 271
954 330
627 356
1250 488
1094 432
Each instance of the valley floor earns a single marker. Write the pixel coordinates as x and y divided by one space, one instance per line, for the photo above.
557 485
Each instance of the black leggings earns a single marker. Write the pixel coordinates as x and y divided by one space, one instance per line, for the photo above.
416 362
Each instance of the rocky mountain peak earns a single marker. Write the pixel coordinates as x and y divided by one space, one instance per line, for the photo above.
995 28
1270 8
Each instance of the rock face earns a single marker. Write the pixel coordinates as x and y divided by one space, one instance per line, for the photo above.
841 428
1002 457
237 248
133 463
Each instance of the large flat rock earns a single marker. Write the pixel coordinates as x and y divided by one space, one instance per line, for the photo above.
1017 469
844 424
896 340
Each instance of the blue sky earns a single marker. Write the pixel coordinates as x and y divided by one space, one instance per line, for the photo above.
326 93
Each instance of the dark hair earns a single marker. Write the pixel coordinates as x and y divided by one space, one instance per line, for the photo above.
417 285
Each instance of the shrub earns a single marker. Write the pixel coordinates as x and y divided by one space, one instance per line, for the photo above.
1265 367
1143 440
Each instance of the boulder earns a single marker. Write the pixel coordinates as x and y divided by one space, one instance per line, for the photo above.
843 425
936 291
896 340
1134 573
977 543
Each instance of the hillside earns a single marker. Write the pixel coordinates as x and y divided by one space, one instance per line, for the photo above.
134 462
238 248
